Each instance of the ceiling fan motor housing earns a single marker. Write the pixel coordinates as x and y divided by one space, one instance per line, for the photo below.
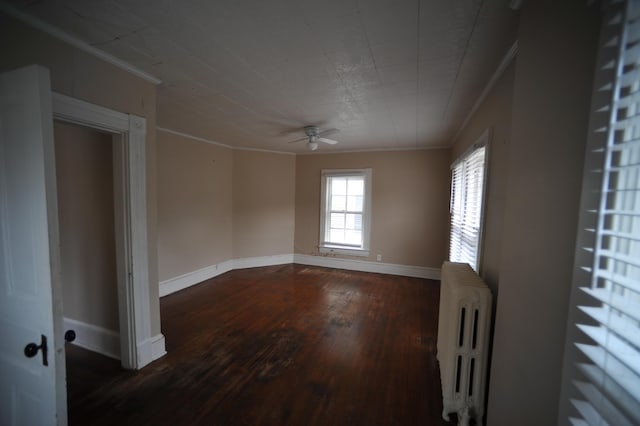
314 136
311 131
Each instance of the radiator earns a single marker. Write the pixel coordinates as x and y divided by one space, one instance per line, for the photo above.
463 339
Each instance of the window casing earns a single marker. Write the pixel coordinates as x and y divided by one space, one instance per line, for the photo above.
468 176
345 212
601 378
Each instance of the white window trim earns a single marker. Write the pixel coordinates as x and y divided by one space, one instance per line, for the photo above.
482 141
327 248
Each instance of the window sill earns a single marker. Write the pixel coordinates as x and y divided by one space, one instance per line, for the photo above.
344 251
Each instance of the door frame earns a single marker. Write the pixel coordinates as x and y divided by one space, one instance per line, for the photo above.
129 132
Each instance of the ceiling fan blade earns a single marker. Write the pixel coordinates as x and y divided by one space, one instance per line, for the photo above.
300 140
328 132
325 140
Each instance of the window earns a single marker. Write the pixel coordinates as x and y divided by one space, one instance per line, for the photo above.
345 212
601 383
467 195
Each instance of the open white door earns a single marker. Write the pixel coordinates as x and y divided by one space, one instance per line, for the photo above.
32 389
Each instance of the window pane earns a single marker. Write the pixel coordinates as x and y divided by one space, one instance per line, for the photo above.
354 203
338 202
339 186
337 221
354 222
356 186
353 237
336 236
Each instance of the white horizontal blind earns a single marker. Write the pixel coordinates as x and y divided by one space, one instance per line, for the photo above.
467 191
606 377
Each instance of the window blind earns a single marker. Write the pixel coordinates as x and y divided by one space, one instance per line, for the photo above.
467 192
605 362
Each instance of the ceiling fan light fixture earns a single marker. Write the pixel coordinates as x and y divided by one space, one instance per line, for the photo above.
315 136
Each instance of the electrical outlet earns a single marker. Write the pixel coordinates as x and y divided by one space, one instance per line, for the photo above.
379 258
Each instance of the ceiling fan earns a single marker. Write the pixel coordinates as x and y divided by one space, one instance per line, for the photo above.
314 135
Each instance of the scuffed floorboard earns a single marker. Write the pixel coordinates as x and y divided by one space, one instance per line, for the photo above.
280 345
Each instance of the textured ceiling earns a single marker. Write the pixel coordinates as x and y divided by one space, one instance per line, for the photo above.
250 73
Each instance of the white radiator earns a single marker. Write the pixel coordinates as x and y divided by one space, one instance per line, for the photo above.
463 339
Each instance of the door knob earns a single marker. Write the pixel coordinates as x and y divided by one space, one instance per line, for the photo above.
32 349
69 336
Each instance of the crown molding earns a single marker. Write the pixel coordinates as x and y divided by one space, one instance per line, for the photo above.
241 148
190 136
373 150
506 61
57 33
198 138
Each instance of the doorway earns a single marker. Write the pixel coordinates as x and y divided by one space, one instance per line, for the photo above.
84 181
137 346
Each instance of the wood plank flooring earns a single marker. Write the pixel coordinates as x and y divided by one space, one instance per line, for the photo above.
280 345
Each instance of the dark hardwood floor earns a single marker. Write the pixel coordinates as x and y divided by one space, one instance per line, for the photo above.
280 345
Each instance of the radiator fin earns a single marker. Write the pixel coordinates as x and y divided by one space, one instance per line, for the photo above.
458 373
471 368
461 327
474 340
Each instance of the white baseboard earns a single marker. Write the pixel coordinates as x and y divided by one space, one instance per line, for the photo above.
192 278
150 350
94 338
340 263
255 262
367 266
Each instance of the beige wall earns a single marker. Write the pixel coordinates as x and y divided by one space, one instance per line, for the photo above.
409 223
494 114
551 96
195 205
216 204
84 170
85 77
263 203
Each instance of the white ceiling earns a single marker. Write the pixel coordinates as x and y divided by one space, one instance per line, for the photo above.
387 73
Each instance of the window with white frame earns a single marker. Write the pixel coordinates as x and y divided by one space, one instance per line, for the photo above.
345 211
601 381
466 206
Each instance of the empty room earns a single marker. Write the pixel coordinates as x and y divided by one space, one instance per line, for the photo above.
342 212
